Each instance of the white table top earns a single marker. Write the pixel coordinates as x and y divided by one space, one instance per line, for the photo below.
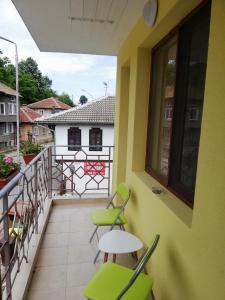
119 241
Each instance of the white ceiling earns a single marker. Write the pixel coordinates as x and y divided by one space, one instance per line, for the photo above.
80 26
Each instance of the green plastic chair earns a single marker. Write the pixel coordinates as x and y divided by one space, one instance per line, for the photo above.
111 215
115 282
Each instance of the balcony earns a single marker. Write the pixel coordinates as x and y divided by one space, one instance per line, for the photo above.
45 224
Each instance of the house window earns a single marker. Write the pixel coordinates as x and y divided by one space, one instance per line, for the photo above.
11 108
36 131
194 114
10 128
74 138
177 93
2 108
11 143
2 128
95 139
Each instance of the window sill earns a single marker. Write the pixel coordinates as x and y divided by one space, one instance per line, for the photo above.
179 208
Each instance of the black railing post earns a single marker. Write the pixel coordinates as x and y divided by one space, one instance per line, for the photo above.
50 172
7 248
36 197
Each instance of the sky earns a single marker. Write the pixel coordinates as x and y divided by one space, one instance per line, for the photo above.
70 73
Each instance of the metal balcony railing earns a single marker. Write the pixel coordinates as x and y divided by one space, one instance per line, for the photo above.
53 172
79 170
22 201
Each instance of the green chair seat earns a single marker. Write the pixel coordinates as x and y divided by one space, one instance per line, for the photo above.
107 216
111 279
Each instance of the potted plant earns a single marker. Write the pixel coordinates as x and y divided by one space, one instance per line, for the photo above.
8 169
29 150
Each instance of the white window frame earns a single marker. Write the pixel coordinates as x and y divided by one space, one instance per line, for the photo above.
2 103
36 131
195 112
11 111
168 113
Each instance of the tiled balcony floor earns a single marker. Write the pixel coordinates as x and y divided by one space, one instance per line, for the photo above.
65 262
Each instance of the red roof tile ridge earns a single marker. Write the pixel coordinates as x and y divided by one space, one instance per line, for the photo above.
26 114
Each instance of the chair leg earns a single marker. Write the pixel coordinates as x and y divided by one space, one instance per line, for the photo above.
91 238
96 257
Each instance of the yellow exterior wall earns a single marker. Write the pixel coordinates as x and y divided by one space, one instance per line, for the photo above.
189 263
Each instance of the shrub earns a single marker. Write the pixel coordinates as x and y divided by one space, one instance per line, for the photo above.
7 166
30 148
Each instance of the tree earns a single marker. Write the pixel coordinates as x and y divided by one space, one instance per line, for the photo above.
42 83
27 88
83 99
33 85
65 98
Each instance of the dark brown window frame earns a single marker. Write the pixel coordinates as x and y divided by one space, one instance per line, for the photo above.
74 130
95 131
166 181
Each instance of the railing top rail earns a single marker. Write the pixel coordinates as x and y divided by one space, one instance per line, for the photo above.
84 146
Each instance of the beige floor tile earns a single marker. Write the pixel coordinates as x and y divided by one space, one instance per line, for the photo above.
60 227
58 294
75 293
52 257
79 226
59 217
55 240
79 238
49 278
81 254
79 274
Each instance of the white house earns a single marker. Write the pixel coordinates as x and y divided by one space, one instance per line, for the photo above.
49 106
84 136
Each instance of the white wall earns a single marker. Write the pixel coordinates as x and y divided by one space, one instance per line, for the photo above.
61 138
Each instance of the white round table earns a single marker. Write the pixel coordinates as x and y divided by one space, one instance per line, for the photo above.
118 242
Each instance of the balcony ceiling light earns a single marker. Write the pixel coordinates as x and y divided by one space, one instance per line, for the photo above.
150 12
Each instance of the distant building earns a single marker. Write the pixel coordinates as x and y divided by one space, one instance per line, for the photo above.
86 133
7 117
29 129
49 106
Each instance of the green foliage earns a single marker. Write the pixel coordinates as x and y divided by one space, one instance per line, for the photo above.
83 99
65 98
7 166
33 86
30 148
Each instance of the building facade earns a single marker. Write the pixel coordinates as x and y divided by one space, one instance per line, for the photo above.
7 117
49 106
83 135
29 130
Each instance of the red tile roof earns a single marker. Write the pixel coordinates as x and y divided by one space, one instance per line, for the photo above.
7 90
49 103
28 115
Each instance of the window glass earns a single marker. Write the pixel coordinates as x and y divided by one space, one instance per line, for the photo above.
2 108
176 104
74 138
2 128
95 139
161 109
193 47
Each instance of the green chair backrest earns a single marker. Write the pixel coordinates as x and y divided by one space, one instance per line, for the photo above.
141 264
123 191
